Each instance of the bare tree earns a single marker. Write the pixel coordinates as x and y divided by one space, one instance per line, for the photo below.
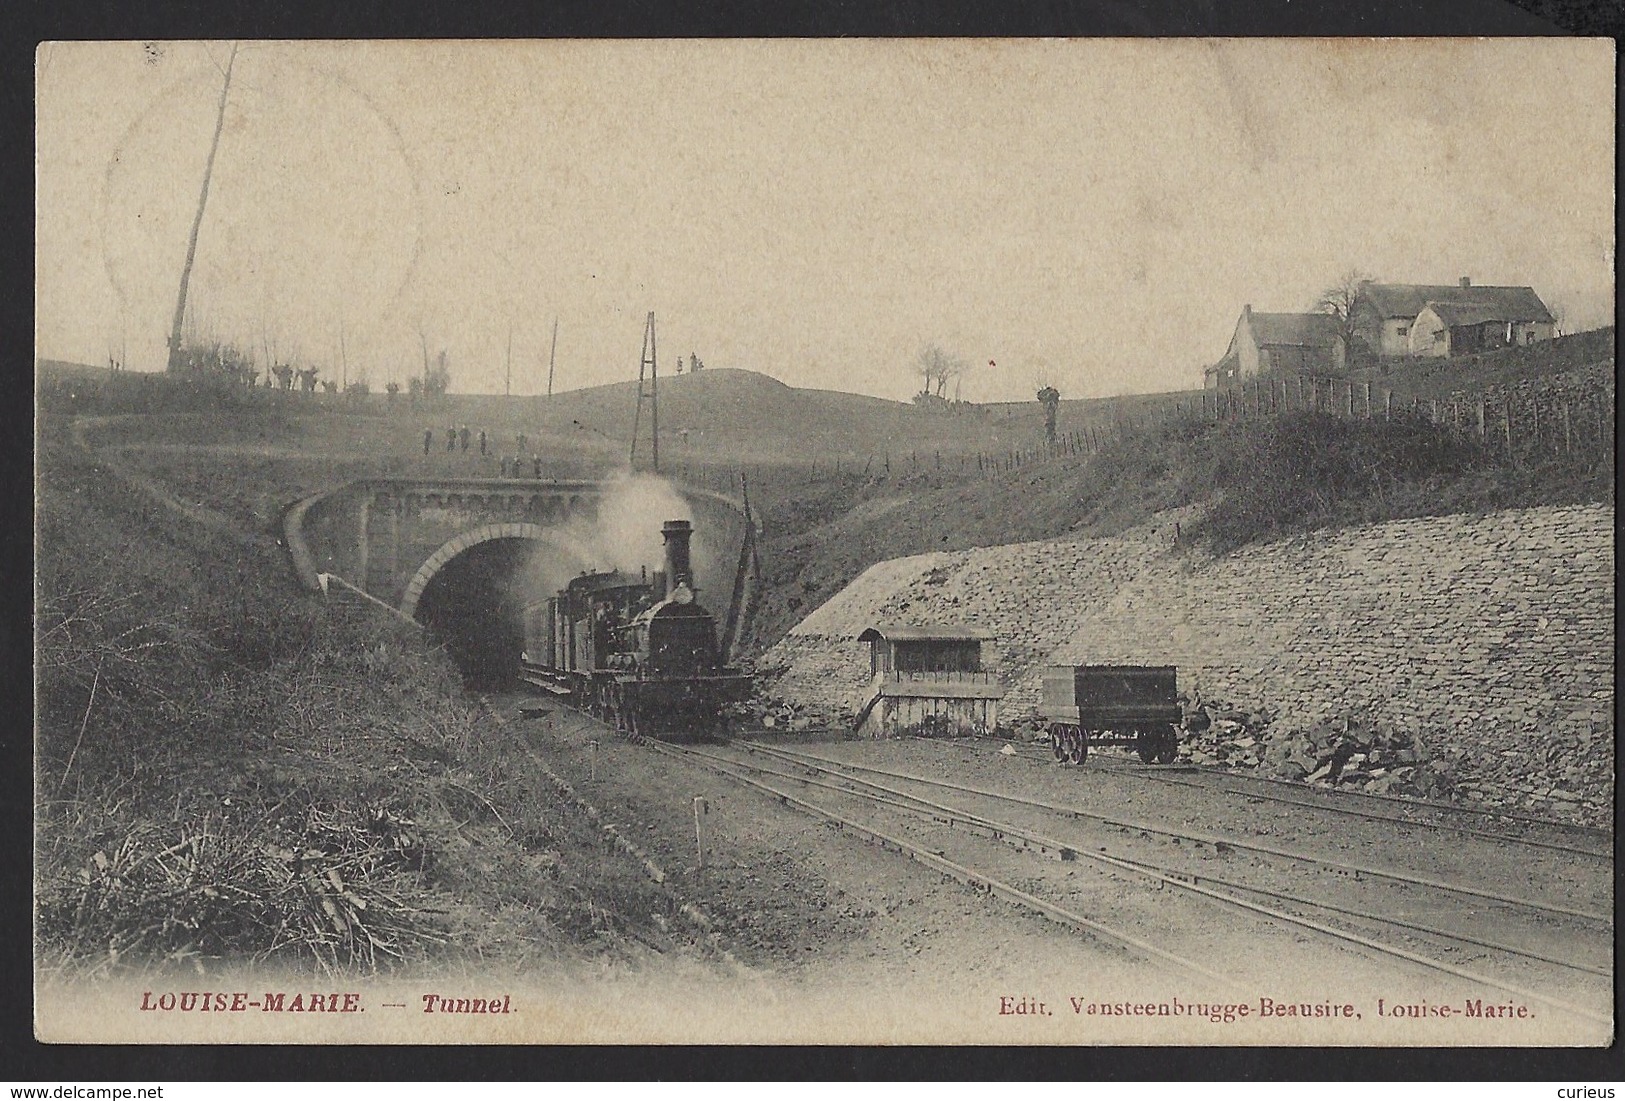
439 376
436 376
936 368
1342 300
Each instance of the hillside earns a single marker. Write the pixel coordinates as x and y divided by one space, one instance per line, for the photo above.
1248 481
740 417
1439 378
722 418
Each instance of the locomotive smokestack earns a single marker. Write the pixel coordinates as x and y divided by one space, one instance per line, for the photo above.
678 572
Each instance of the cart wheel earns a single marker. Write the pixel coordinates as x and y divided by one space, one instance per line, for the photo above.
1057 741
1080 744
1169 747
1148 744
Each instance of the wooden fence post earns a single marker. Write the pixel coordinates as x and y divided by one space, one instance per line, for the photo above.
1481 419
1368 400
1568 435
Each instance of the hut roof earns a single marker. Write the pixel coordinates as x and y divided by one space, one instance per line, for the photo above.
935 633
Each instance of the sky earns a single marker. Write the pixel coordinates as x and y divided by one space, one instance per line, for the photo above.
1088 214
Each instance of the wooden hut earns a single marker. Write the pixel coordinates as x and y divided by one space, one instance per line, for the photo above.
928 680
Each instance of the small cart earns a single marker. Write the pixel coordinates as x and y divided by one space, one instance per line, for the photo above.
1127 705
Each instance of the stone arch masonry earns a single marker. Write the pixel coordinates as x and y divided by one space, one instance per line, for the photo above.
389 536
1491 637
457 545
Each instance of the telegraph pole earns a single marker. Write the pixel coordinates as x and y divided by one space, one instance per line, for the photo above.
648 370
197 220
550 354
507 384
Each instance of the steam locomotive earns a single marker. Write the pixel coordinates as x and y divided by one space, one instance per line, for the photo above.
639 651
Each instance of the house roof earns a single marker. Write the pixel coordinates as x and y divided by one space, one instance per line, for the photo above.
1307 330
938 633
1409 299
1468 313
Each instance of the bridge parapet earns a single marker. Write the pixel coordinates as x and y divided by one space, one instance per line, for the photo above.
390 536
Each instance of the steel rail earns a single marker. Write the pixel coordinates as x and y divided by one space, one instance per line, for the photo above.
1353 812
1345 793
961 872
1432 804
1180 881
1066 852
1216 841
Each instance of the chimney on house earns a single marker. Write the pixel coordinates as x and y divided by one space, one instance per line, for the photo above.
1247 311
1466 281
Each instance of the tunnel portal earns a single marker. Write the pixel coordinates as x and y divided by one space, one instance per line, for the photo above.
474 605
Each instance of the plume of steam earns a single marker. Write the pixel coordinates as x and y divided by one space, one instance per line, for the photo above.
624 534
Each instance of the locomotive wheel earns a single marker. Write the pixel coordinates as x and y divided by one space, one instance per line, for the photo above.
1080 745
1057 742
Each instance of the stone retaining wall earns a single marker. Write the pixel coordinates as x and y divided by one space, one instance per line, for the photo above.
1491 638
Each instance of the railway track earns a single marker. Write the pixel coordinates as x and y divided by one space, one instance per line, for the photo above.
878 810
1217 841
1225 890
934 859
1426 814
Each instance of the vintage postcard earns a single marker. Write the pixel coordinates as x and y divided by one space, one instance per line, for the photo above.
978 542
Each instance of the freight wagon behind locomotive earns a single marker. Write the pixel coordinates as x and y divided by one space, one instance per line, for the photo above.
640 651
1122 705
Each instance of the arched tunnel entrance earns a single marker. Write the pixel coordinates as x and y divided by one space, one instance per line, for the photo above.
475 605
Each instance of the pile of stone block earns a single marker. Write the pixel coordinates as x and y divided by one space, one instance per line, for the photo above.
1356 753
1348 752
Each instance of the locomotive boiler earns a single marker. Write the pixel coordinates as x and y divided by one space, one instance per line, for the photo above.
640 651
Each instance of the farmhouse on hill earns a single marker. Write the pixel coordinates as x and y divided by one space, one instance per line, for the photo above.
1268 343
1404 319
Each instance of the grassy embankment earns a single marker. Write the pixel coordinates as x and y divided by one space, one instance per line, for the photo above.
227 773
1258 479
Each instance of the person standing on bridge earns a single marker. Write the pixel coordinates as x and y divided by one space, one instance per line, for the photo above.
536 465
428 439
463 435
483 448
451 437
